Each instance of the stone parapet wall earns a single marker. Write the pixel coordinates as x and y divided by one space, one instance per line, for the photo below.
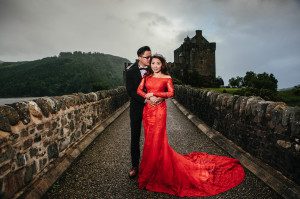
267 130
35 133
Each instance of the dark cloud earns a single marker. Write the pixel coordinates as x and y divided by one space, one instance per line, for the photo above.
183 34
154 19
258 35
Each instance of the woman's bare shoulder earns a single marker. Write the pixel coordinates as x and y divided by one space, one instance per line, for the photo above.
167 76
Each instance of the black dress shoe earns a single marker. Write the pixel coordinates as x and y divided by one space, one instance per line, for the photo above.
133 172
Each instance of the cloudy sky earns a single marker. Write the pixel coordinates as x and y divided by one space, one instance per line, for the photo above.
257 35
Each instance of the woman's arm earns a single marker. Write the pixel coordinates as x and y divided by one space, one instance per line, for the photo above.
140 89
169 93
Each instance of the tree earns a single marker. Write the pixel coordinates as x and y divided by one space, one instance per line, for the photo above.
249 78
65 54
266 81
236 82
260 81
232 82
263 85
219 82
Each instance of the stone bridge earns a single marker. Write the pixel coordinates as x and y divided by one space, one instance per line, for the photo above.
77 146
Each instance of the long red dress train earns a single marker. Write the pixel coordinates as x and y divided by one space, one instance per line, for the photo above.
164 170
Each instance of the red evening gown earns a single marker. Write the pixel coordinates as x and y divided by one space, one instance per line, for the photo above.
164 170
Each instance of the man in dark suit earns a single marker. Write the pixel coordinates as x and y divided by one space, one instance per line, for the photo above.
133 76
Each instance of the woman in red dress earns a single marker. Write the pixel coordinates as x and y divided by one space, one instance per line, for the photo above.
164 170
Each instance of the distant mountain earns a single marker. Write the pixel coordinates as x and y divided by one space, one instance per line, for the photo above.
1 61
63 74
285 89
290 88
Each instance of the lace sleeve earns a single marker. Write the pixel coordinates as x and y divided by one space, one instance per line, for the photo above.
169 93
140 89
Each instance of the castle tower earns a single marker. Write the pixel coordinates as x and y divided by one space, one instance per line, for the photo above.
196 54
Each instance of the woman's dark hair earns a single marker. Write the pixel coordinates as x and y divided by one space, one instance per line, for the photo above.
141 50
164 69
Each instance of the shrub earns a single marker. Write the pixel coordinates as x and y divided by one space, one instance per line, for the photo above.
266 94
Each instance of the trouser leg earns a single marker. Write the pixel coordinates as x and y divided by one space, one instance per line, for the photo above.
135 124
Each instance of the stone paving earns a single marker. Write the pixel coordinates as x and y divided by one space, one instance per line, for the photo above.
101 171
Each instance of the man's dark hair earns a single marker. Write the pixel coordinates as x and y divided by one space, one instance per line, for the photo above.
141 50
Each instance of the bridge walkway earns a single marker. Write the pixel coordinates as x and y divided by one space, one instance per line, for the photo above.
101 170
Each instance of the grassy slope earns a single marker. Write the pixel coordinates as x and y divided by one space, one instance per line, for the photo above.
287 96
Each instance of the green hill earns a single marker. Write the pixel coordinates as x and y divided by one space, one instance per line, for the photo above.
291 96
63 74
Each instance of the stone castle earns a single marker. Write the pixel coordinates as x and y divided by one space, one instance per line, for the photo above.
196 54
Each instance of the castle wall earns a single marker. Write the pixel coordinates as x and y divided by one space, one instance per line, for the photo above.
196 54
268 130
37 133
205 60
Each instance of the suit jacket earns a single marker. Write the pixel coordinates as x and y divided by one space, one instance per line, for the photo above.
133 80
